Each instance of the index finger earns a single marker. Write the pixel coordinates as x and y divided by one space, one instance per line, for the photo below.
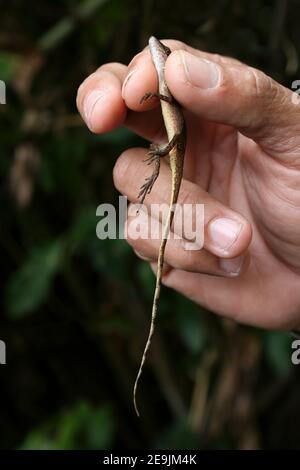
110 97
102 107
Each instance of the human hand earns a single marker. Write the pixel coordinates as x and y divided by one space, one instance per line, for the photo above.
242 162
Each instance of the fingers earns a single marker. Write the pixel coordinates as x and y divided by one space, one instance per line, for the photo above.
99 99
176 254
141 75
214 88
102 107
226 233
235 94
111 96
255 303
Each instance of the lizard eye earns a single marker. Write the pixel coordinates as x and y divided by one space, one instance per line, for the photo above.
167 50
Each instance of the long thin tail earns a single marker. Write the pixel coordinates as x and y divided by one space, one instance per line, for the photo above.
160 263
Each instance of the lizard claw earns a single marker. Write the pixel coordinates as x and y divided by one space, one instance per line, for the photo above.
147 96
151 158
147 187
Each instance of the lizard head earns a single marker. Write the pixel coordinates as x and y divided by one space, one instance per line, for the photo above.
160 48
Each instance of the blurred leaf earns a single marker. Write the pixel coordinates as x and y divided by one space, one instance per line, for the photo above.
115 323
120 136
62 164
66 25
29 286
82 427
177 436
82 230
37 441
147 278
189 325
111 257
8 64
113 14
278 351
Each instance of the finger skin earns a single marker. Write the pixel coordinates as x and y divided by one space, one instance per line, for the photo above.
237 95
251 101
130 171
233 298
176 255
122 88
100 102
243 148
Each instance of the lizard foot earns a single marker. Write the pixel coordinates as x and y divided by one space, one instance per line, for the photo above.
149 182
148 95
153 154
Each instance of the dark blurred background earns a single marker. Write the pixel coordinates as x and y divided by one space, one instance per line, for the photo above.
74 309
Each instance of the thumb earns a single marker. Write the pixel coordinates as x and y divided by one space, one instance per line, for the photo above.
232 93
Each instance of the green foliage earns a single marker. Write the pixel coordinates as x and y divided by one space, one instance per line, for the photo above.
278 352
82 231
29 286
8 65
67 292
178 436
147 278
81 427
191 329
109 263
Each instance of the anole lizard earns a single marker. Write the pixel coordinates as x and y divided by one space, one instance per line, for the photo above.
175 127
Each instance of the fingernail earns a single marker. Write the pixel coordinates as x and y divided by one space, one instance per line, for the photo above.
127 80
200 72
232 267
90 103
224 232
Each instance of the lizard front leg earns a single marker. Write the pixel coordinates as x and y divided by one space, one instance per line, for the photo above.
148 95
156 151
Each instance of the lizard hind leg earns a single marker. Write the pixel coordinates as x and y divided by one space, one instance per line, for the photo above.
156 151
149 182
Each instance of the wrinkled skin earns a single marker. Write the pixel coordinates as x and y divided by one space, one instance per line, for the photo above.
242 161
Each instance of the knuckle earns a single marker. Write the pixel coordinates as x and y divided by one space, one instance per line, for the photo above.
218 58
137 241
188 194
260 85
132 241
120 169
132 237
189 260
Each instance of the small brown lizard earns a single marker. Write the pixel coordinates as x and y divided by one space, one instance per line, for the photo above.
175 127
